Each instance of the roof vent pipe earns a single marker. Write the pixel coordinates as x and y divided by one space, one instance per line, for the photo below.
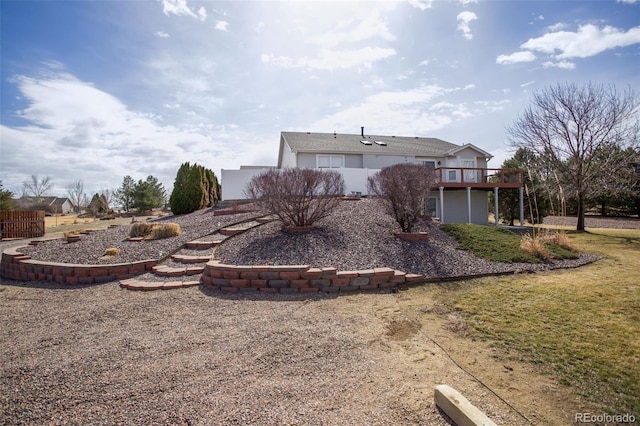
362 131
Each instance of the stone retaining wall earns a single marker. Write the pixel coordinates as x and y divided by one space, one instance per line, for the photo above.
20 267
300 278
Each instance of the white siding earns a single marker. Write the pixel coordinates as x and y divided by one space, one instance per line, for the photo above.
288 157
379 161
234 182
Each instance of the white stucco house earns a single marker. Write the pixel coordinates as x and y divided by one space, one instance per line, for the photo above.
464 180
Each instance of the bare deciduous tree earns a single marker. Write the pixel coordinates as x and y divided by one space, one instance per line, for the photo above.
37 187
404 189
573 129
75 191
299 197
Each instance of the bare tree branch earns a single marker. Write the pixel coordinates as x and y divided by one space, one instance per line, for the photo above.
299 197
586 134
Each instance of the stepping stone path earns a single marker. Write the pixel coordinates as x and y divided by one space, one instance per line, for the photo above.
184 266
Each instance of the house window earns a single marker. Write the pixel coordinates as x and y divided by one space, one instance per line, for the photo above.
427 163
453 175
430 207
330 161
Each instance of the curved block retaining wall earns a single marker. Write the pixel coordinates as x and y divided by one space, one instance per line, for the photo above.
20 267
300 278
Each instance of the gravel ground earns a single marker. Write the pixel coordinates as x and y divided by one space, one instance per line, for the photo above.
595 222
90 249
104 355
358 235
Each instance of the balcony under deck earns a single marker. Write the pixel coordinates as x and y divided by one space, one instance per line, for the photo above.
478 178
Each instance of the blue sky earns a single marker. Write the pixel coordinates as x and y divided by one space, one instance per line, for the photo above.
96 90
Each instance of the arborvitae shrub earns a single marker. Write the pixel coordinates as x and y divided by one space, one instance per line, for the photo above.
195 188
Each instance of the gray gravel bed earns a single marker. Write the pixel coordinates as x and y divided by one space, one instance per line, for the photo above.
360 235
90 248
121 357
595 222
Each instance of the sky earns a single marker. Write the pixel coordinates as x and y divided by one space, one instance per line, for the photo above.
98 90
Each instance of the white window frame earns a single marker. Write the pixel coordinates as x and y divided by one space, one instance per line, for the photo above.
332 158
424 161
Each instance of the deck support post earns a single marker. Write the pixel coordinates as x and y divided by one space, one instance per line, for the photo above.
441 204
496 213
521 206
468 204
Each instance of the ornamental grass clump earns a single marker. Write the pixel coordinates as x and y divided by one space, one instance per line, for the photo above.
112 251
165 230
535 245
549 245
155 231
140 229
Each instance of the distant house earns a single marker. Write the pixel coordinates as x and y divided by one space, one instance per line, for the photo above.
464 180
54 205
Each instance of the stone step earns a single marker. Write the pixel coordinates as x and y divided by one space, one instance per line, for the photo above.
134 284
185 258
201 245
232 231
168 271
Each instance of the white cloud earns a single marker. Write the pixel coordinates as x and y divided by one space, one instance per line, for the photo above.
627 1
222 26
557 27
372 26
421 4
180 8
528 83
566 65
588 41
464 19
71 123
202 13
465 3
161 34
331 60
515 58
407 112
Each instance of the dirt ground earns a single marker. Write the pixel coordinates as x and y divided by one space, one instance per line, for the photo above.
191 356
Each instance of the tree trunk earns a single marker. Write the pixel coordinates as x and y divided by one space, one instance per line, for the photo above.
580 225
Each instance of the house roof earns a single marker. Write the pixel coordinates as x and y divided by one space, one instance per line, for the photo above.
351 144
46 200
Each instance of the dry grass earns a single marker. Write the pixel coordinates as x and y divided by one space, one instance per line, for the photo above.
154 231
165 230
548 245
112 251
583 324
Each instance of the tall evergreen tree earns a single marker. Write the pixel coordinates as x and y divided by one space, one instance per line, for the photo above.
6 202
195 187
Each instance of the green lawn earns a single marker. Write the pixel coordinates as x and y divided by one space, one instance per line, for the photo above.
582 325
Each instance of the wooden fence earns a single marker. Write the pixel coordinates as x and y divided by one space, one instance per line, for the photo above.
21 224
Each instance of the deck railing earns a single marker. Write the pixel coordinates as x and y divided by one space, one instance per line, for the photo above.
462 177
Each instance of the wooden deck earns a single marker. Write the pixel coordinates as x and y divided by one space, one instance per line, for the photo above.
479 178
